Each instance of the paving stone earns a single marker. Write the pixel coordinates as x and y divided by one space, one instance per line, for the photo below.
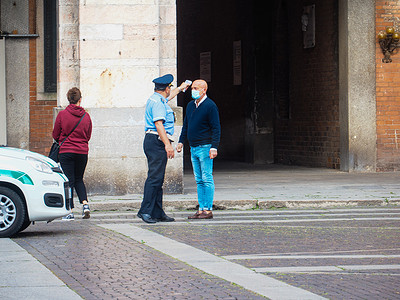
100 264
253 238
338 237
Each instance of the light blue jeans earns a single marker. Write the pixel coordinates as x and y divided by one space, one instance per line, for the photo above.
202 169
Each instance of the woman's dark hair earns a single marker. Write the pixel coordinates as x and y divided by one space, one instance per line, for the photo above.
74 95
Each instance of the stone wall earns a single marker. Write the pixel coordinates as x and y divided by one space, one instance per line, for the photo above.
307 83
117 164
15 18
112 50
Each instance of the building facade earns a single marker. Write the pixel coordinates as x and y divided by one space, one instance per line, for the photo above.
301 83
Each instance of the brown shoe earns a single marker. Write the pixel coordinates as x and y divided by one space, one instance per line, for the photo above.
195 216
205 215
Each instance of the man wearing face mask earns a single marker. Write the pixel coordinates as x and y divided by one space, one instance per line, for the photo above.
159 127
202 129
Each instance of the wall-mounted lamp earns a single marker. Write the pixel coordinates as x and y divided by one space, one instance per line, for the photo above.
389 41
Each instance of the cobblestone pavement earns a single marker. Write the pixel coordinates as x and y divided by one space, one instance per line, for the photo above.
100 264
350 253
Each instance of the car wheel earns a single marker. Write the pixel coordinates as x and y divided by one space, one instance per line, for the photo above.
12 212
25 225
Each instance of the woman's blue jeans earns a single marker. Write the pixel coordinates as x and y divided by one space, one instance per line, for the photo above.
202 169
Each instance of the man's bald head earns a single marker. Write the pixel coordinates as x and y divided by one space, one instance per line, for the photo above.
200 87
200 83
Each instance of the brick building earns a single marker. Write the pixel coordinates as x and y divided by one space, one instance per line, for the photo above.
300 83
387 94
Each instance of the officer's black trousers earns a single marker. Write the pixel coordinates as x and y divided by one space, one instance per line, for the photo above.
157 162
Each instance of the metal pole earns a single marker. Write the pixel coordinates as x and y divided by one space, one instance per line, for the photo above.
3 104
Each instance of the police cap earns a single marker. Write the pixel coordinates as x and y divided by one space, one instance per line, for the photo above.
163 81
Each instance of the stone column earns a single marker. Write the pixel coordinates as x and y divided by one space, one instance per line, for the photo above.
68 49
121 47
14 15
357 103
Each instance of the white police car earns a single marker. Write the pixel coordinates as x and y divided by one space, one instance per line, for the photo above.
32 188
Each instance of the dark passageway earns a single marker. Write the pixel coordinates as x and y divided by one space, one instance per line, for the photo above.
278 100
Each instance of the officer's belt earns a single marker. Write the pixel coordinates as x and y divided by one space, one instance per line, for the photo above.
156 133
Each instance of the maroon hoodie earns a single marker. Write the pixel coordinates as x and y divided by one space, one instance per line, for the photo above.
78 141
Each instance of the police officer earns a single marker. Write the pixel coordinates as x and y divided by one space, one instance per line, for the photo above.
159 127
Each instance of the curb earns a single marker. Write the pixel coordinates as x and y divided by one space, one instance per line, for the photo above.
128 205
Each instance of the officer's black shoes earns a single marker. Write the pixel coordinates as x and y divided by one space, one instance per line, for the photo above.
165 219
146 218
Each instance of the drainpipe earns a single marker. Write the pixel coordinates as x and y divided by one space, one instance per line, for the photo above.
3 106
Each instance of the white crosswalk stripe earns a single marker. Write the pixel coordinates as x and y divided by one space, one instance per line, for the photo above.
340 268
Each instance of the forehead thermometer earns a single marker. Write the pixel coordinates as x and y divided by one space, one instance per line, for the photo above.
189 82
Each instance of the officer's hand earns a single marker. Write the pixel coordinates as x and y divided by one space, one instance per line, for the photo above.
184 86
213 153
179 147
170 151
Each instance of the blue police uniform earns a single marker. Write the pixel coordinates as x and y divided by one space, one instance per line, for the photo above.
156 109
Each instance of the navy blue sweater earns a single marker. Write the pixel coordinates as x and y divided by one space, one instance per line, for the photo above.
201 125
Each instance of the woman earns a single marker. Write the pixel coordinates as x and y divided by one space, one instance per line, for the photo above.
74 150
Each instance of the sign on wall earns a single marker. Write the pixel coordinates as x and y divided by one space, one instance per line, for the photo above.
205 66
308 26
237 62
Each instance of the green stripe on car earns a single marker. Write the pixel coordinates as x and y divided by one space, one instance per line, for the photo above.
20 176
